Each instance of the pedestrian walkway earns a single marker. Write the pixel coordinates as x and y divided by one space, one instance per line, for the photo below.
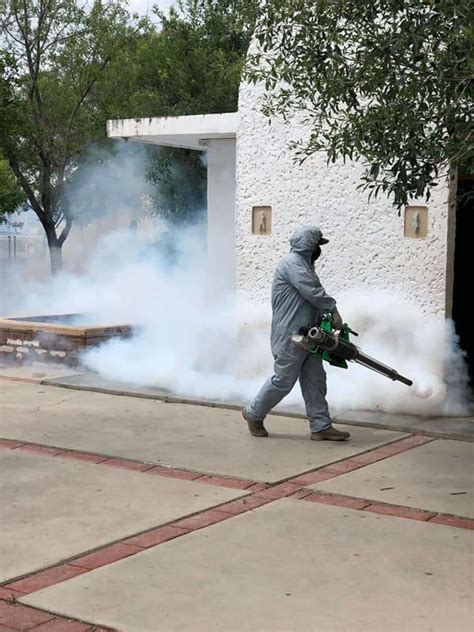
142 515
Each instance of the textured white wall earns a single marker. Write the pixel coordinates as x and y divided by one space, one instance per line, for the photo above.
367 250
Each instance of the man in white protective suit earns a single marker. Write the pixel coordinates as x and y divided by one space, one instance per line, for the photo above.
298 300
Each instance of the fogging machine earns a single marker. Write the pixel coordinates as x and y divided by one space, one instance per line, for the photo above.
337 349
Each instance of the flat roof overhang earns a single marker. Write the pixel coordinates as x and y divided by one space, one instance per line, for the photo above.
190 132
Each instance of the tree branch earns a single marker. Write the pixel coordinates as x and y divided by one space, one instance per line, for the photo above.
35 205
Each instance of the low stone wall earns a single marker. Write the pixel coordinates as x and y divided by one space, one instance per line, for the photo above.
29 340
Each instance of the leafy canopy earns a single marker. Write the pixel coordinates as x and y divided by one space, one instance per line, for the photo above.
387 82
190 64
53 55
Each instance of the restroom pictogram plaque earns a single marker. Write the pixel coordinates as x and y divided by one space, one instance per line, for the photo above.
416 221
261 220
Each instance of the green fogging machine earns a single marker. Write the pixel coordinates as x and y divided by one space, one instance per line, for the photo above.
337 349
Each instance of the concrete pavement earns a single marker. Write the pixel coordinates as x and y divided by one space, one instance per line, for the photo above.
195 437
289 565
55 508
438 476
147 516
442 427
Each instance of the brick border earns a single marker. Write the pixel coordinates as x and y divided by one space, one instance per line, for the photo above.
388 509
259 494
361 460
132 464
15 617
315 475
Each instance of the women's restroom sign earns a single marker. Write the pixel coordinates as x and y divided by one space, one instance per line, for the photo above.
261 220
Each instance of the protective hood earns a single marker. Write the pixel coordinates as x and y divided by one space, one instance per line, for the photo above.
305 240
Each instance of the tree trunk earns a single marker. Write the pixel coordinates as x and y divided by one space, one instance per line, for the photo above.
55 252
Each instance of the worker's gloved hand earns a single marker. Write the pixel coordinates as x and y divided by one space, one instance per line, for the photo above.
336 319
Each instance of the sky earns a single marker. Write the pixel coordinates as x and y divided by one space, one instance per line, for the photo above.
145 6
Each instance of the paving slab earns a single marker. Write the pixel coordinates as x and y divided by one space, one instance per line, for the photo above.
461 428
288 566
437 476
89 381
53 509
37 372
210 440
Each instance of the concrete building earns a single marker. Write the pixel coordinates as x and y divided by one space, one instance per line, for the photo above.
258 195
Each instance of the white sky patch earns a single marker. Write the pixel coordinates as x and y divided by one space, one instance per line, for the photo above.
145 7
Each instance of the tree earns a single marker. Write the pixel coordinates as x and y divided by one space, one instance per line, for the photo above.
387 82
54 53
191 64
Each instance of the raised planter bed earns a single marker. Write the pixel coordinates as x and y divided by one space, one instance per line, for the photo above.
58 338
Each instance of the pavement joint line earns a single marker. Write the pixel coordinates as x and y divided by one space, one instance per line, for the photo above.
196 522
388 509
292 487
336 468
95 458
176 399
13 614
360 460
26 380
71 567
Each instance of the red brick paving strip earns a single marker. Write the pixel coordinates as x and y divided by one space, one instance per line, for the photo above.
400 512
20 617
127 464
279 491
80 456
454 521
310 478
242 505
387 509
9 594
339 501
63 625
40 449
204 519
138 466
107 555
172 472
225 482
360 460
9 445
156 536
259 494
43 579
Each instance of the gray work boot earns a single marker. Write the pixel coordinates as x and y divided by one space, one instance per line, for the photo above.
329 434
256 428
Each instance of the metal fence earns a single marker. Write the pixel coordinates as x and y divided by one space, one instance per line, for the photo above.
21 247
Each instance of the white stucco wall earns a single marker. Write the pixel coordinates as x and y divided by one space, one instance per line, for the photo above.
368 248
221 212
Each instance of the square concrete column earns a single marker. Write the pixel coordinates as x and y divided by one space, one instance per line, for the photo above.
221 212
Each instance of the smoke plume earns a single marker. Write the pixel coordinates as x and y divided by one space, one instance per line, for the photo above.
191 340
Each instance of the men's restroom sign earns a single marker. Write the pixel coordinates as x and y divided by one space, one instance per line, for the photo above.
261 220
416 222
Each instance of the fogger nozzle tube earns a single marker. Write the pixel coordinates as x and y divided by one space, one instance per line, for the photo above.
318 339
